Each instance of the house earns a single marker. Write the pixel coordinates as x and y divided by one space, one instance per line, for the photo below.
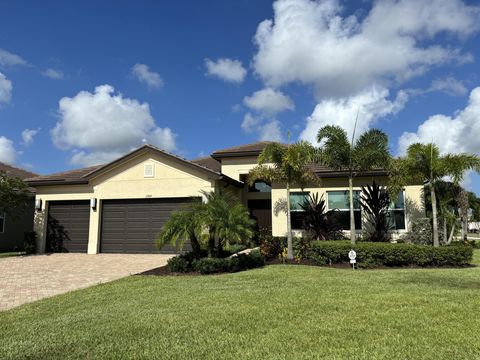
14 226
122 205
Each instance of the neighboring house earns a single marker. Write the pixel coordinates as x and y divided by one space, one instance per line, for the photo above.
121 206
14 226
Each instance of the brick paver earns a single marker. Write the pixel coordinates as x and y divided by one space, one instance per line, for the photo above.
25 279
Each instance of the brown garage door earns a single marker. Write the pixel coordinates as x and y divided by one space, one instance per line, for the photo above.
131 226
67 227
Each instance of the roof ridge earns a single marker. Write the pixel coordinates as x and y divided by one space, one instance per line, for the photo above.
18 168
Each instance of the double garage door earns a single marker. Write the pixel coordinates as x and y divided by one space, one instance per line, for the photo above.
127 226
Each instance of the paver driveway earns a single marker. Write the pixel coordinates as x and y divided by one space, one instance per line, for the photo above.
28 278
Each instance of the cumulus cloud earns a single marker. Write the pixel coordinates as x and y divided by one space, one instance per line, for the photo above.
9 59
312 42
226 69
53 74
5 89
250 122
269 102
371 105
144 75
457 133
8 154
28 135
102 125
270 131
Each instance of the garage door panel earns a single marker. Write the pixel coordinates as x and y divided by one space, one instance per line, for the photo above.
68 225
132 225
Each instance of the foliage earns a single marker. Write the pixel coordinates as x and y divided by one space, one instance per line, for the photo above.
235 263
319 223
420 232
178 264
375 202
14 194
30 242
424 164
286 165
386 254
222 220
369 152
270 246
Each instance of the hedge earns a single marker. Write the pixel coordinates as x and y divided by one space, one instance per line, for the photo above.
370 254
187 263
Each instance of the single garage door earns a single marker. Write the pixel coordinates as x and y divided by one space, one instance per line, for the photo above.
131 226
67 226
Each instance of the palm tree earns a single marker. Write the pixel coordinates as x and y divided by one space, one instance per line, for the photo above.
227 220
286 165
424 164
367 153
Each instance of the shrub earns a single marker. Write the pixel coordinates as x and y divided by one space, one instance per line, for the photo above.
210 265
318 222
420 233
271 246
29 242
371 254
178 264
234 248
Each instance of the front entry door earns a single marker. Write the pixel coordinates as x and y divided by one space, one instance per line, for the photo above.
261 210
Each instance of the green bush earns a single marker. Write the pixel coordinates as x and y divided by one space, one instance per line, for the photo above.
371 254
30 242
205 265
178 264
271 246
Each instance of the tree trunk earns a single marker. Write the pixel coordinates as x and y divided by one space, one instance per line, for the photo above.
436 243
445 240
195 245
289 227
450 238
211 246
353 236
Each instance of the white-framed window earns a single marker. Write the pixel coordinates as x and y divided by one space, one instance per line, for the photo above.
396 212
2 223
297 199
149 170
339 200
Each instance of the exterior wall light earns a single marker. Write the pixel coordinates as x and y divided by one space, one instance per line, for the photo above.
93 203
38 204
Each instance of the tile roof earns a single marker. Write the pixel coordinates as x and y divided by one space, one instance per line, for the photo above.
77 174
15 171
247 149
209 163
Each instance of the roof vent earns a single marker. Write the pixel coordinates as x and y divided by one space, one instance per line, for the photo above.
148 171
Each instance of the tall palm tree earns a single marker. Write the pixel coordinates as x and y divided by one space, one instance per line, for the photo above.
286 165
369 152
423 163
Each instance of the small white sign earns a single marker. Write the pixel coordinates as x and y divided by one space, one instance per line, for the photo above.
352 255
353 261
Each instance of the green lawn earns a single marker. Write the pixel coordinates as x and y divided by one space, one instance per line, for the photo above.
282 312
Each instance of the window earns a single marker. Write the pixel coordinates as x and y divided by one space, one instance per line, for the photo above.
260 186
148 171
296 211
2 223
340 200
396 212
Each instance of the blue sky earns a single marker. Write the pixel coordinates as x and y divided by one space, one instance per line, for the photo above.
87 81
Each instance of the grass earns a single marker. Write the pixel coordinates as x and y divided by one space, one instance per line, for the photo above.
277 312
12 253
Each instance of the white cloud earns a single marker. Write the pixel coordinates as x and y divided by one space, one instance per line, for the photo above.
53 74
9 59
226 69
8 154
28 135
449 85
5 89
270 131
150 78
100 126
371 105
250 122
457 133
312 42
269 102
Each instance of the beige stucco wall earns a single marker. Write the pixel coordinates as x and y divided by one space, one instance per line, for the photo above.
236 166
171 178
413 200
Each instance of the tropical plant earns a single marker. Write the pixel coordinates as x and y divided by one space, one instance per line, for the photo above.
367 153
375 202
424 164
14 194
182 225
221 219
318 222
286 165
